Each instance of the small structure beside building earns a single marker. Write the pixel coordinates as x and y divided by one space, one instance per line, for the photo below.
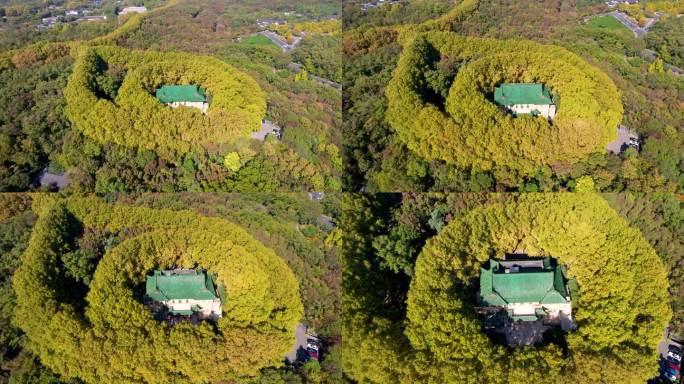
183 292
128 10
527 289
183 95
526 98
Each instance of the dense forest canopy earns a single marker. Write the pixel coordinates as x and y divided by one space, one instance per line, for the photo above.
90 157
439 102
119 340
289 224
377 158
110 97
421 319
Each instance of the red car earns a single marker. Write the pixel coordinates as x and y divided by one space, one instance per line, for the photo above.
672 365
312 354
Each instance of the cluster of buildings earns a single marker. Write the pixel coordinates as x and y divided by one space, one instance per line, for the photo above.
69 15
61 15
615 3
376 3
265 23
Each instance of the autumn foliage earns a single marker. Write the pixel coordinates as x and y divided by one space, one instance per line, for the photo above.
621 308
440 103
109 336
111 98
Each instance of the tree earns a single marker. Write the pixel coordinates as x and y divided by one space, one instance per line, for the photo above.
656 66
232 161
260 312
438 335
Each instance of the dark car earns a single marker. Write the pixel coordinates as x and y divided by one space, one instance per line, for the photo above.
670 375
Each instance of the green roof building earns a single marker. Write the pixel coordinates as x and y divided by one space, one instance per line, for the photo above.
184 292
186 95
525 98
528 289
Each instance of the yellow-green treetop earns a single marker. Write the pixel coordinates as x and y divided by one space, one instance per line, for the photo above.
135 118
113 338
470 130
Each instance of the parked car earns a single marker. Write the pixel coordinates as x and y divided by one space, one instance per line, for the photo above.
312 354
670 375
671 364
313 344
675 353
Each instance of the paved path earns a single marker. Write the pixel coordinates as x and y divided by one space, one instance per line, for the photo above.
266 128
651 55
524 333
619 145
326 220
299 348
276 39
280 42
296 67
629 23
47 179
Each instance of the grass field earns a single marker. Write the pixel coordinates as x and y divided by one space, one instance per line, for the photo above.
257 40
607 22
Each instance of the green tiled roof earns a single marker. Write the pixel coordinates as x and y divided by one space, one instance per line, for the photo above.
195 285
544 286
522 93
179 93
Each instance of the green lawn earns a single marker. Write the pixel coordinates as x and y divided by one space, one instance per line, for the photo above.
257 40
607 22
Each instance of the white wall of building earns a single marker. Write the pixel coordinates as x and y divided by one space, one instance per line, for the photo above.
128 10
208 307
548 111
202 106
553 310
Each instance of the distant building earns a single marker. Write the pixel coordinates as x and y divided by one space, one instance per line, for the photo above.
613 3
93 18
51 20
529 99
72 12
128 10
265 23
184 292
186 95
527 289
